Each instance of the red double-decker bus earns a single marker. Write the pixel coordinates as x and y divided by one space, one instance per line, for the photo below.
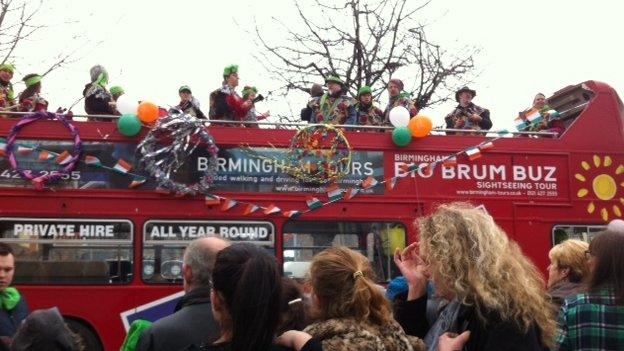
98 249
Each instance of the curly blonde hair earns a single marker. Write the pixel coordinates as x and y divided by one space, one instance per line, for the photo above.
344 282
484 269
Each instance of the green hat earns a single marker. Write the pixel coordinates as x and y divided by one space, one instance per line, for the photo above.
185 88
334 79
32 79
134 334
227 71
116 90
248 91
7 67
365 90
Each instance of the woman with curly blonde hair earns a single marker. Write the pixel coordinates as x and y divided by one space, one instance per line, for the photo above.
495 292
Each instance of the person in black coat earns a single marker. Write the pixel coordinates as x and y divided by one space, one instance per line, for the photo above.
495 292
193 322
13 306
467 115
98 100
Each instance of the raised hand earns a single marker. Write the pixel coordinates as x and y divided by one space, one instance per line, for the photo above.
414 269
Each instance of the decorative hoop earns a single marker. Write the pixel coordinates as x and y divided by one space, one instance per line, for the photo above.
70 164
182 133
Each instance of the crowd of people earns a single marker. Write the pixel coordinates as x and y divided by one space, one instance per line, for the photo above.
333 106
465 286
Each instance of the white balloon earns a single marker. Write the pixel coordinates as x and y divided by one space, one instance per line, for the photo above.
127 104
399 116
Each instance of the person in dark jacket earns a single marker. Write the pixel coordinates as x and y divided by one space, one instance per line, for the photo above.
13 306
30 99
192 322
335 106
188 103
225 103
45 330
316 91
495 292
98 100
467 115
567 270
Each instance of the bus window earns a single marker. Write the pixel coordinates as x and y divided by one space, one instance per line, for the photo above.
375 240
70 251
164 242
581 232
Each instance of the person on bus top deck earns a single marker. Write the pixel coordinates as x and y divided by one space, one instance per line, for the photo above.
7 94
188 103
193 322
367 113
98 100
250 94
225 103
315 91
30 99
467 115
13 306
333 107
398 97
546 123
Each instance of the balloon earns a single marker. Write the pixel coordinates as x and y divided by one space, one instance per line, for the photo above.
399 116
129 125
148 112
127 105
420 126
401 136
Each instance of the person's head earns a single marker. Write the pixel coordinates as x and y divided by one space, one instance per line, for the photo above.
7 266
334 84
292 309
33 85
539 101
567 262
343 286
185 93
230 75
616 225
365 95
198 261
471 259
116 91
316 90
465 95
6 72
606 263
246 295
249 93
99 75
395 87
45 330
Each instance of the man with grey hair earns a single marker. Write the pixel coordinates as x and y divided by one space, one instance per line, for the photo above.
192 322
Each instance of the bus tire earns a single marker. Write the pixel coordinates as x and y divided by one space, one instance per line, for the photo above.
87 335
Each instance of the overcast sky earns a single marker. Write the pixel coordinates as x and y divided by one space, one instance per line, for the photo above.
152 47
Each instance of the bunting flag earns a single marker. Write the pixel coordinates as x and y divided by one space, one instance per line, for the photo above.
486 146
473 153
390 183
334 193
271 209
2 148
45 155
427 169
313 203
137 182
406 168
25 150
92 160
369 182
450 162
292 214
350 193
64 158
228 204
122 166
211 200
251 208
531 117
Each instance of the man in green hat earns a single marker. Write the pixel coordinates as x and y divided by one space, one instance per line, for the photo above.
98 100
399 97
13 306
7 95
333 107
225 103
367 113
30 99
250 93
188 103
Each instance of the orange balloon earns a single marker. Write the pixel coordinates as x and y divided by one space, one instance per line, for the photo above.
420 126
148 112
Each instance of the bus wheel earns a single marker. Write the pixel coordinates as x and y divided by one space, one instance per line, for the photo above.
89 339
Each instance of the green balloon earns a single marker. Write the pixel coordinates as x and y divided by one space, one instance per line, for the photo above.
401 136
129 125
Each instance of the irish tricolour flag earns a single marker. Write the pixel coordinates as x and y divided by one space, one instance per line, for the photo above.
532 117
122 166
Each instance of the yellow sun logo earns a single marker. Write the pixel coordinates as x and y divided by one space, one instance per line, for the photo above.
602 182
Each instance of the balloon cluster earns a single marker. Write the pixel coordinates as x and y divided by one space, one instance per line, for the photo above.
134 114
406 128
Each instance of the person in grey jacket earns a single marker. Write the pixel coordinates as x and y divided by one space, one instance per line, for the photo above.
192 323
